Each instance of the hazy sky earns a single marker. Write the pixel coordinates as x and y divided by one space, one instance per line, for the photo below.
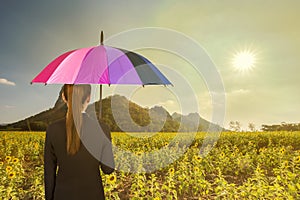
35 32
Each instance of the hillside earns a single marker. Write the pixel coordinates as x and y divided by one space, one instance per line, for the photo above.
115 114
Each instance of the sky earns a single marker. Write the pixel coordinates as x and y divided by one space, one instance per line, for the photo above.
33 33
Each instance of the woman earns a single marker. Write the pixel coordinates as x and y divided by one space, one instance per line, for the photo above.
72 159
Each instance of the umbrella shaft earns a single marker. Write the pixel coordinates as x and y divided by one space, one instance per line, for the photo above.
100 103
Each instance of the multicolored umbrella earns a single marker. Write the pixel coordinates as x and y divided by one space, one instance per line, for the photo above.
101 65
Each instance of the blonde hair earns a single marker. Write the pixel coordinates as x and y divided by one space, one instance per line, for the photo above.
75 96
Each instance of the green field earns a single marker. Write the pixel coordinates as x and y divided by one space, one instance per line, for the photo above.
240 166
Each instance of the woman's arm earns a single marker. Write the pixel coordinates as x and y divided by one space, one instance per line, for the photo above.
107 160
107 157
50 165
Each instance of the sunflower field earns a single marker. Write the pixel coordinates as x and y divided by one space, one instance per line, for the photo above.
239 165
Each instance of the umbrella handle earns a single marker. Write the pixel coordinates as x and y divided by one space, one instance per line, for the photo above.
101 37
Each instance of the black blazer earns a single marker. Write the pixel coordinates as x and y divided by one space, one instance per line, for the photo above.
75 177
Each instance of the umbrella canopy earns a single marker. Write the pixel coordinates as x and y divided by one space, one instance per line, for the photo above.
101 65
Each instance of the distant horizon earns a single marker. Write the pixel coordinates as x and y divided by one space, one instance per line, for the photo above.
171 113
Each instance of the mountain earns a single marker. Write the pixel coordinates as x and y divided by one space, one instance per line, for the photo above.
121 115
38 122
193 122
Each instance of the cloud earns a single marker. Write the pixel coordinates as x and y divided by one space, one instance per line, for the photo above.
6 82
9 106
238 92
170 105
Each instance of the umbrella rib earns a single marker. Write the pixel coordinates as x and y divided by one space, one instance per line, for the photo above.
107 65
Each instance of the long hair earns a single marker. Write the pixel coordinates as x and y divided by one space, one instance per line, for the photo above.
75 96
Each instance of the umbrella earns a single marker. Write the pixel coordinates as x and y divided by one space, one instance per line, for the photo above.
101 64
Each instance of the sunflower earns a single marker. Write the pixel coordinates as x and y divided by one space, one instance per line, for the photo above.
8 168
7 158
282 150
285 164
171 171
166 143
198 158
298 159
139 153
259 170
196 169
11 174
112 178
222 154
15 160
261 150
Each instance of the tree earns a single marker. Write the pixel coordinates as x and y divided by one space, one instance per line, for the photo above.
251 126
235 126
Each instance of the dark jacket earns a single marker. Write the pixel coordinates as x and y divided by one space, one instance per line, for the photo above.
78 176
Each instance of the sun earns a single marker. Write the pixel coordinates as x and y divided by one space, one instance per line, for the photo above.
244 60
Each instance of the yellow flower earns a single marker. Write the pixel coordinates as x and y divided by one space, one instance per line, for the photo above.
233 154
36 146
196 169
112 178
8 168
7 158
259 170
157 198
285 164
196 144
261 149
1 163
166 143
222 154
11 174
198 158
298 159
171 171
278 178
15 160
282 150
139 153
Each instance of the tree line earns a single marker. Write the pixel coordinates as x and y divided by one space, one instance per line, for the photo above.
281 127
237 127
